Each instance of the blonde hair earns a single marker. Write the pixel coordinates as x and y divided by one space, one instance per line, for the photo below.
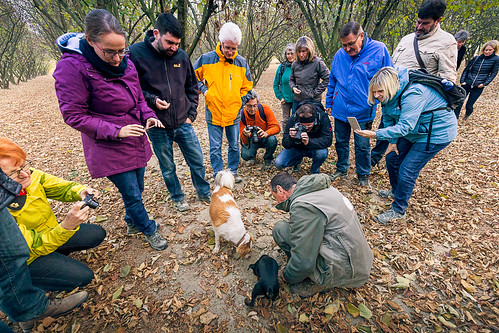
386 79
493 44
307 43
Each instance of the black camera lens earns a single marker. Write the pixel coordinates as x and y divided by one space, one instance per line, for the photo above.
90 202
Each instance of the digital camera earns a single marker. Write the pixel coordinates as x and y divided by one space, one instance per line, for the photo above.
90 202
299 128
254 133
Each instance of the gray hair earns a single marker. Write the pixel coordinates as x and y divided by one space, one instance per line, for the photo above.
462 35
230 32
252 95
100 22
289 47
351 27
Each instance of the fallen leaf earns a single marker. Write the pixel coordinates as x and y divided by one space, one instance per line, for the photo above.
364 311
125 270
138 303
207 317
402 283
332 308
281 328
446 323
304 318
470 288
118 292
353 310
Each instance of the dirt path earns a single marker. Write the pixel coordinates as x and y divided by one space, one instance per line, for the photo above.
447 246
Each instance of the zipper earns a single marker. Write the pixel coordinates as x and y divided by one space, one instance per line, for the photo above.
230 80
172 114
476 77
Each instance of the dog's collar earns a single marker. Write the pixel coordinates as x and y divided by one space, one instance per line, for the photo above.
241 241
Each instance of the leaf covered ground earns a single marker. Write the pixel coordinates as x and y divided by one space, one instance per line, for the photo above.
437 270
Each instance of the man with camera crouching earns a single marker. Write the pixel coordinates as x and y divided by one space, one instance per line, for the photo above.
308 134
257 129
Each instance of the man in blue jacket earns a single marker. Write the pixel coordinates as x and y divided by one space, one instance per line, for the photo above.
351 71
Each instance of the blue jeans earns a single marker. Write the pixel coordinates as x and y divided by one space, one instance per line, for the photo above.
294 156
379 149
131 185
248 152
19 299
342 132
404 168
56 271
216 134
162 143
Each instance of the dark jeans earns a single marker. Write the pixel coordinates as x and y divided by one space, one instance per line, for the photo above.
342 131
56 271
379 149
131 185
248 152
19 299
293 156
215 134
404 168
473 94
162 143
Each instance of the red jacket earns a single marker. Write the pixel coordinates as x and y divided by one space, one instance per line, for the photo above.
269 125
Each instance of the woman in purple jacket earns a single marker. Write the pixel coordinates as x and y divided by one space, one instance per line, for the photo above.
99 95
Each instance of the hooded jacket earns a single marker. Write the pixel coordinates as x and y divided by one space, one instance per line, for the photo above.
438 50
226 83
9 189
481 70
170 78
310 77
327 241
36 220
99 107
409 122
349 81
281 82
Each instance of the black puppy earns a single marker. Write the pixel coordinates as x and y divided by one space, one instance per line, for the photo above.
266 268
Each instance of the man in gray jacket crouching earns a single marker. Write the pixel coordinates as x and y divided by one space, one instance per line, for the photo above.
323 238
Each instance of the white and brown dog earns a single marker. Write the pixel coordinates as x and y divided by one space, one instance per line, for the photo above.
226 217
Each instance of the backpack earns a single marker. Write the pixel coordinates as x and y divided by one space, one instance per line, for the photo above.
260 112
453 93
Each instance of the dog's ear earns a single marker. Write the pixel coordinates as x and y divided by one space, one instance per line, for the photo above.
252 266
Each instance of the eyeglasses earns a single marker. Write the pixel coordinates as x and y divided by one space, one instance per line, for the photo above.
16 173
111 54
351 44
251 106
228 48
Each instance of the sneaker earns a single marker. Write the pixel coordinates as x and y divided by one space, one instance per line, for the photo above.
296 168
386 194
364 181
205 199
157 242
307 288
133 230
237 178
338 174
57 308
267 165
388 216
182 205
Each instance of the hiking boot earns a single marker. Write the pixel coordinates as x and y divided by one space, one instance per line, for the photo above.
182 205
364 181
237 178
267 165
296 168
57 308
157 242
386 194
205 199
338 174
388 216
307 288
133 230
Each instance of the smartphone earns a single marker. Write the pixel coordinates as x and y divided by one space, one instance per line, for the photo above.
353 123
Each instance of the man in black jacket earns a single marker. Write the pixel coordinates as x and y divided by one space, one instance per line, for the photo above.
308 134
170 89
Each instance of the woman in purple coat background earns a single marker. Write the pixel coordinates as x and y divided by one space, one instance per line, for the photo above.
99 95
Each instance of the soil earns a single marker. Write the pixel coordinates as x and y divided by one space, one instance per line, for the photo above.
446 247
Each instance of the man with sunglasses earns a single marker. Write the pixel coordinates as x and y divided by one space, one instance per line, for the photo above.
351 71
225 80
170 89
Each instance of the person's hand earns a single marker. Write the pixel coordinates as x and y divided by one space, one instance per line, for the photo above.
76 216
296 91
188 121
328 110
292 132
463 84
480 85
283 101
131 130
88 191
304 138
162 104
246 132
153 122
366 133
392 147
261 133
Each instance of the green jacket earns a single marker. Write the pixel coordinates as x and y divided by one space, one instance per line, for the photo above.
327 242
281 83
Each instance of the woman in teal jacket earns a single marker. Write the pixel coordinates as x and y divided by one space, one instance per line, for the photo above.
282 90
407 129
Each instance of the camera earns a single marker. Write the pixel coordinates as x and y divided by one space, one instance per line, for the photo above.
254 133
299 128
90 202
